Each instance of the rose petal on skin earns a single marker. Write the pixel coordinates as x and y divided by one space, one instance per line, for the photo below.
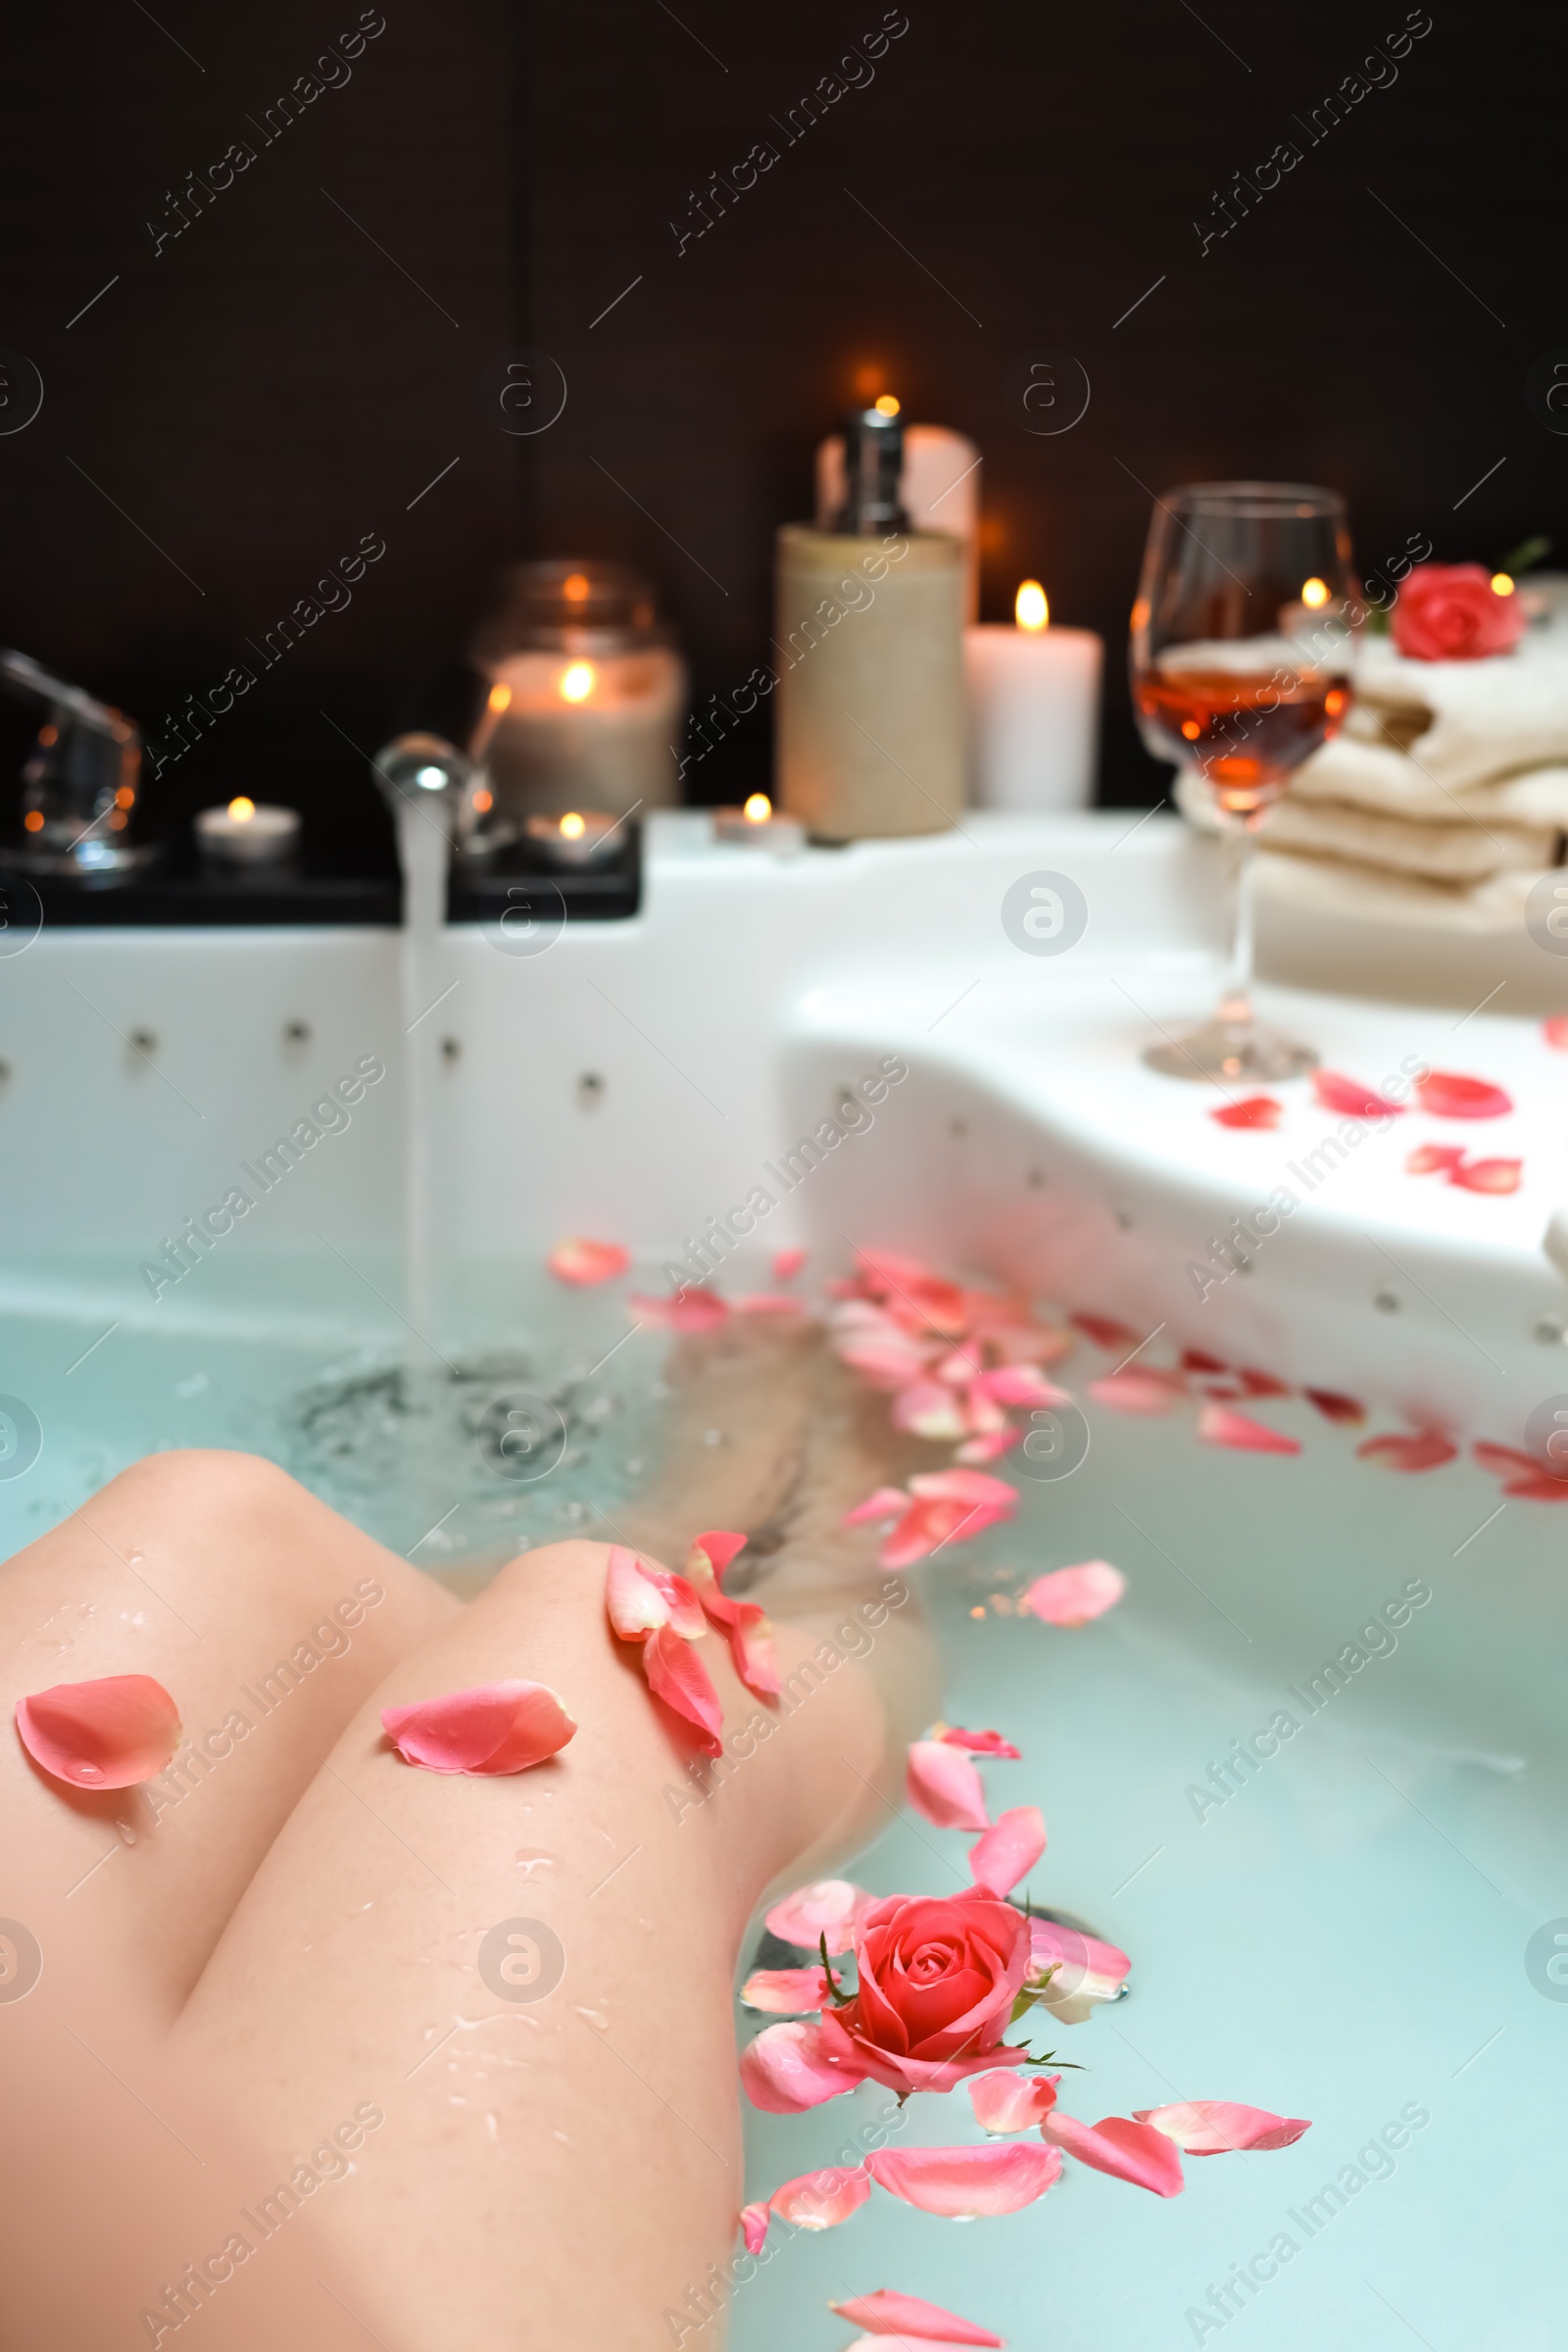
1257 1111
1008 1850
1071 1596
1337 1092
112 1733
1554 1032
1216 2127
639 1599
1489 1175
677 1676
829 1907
1430 1159
990 1446
999 2177
490 1728
582 1262
719 1547
888 2313
1082 1970
1334 1407
1117 2145
693 1309
1448 1095
785 2070
1217 1425
1421 1449
1139 1389
785 1992
754 2227
787 1263
888 1503
823 2199
942 1783
979 1744
1009 2101
929 1410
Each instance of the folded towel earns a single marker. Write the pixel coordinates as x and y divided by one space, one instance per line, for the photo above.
1484 721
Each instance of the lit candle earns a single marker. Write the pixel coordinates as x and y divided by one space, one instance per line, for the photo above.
581 837
600 730
756 828
243 834
1034 708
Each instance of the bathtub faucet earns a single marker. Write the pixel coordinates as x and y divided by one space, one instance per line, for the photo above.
429 774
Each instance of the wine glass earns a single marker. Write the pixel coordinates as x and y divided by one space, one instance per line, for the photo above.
1241 659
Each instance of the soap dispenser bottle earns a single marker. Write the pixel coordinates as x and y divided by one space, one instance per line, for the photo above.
869 704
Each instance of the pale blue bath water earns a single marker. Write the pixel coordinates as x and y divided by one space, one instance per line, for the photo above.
1343 1937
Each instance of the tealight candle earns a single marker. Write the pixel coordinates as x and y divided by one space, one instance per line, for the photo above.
581 837
243 834
756 827
1034 708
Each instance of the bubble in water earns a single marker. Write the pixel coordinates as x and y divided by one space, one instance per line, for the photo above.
88 1772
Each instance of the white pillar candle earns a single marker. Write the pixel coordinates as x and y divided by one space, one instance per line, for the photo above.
940 489
1034 710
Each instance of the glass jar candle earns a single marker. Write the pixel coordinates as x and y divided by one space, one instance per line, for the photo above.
587 694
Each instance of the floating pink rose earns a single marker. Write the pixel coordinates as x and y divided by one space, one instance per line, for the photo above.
1009 2101
1218 1426
830 1908
942 1783
965 2184
1127 2150
1008 1850
584 1264
112 1733
888 2313
937 1981
1216 2127
1072 1597
1451 612
490 1728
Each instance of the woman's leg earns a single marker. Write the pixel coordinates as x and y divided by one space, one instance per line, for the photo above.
531 1979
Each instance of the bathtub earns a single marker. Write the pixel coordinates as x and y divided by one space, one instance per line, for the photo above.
1364 1929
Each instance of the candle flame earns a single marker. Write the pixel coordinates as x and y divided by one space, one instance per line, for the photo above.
1502 584
577 682
499 699
1030 607
575 588
241 810
572 827
33 820
886 405
757 809
1314 592
485 800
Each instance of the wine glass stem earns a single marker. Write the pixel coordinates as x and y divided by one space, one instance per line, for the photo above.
1235 1007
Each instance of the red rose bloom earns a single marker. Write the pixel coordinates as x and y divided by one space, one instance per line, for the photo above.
1451 612
937 1984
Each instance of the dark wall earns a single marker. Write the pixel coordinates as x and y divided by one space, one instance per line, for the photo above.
260 391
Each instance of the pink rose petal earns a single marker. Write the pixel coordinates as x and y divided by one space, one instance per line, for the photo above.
1073 1597
1009 2101
1337 1093
927 1409
787 1263
491 1729
693 1309
990 1446
1215 2127
1423 1449
1505 1461
1448 1095
1489 1175
822 2200
582 1263
1257 1111
942 1783
1334 1407
888 2313
639 1599
1114 1338
1128 2151
112 1733
768 1302
1554 1032
754 2227
785 1992
1217 1425
948 1506
1139 1389
1432 1159
677 1676
1071 1973
1008 1850
785 2070
830 1908
999 2177
1020 1384
888 1503
979 1744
